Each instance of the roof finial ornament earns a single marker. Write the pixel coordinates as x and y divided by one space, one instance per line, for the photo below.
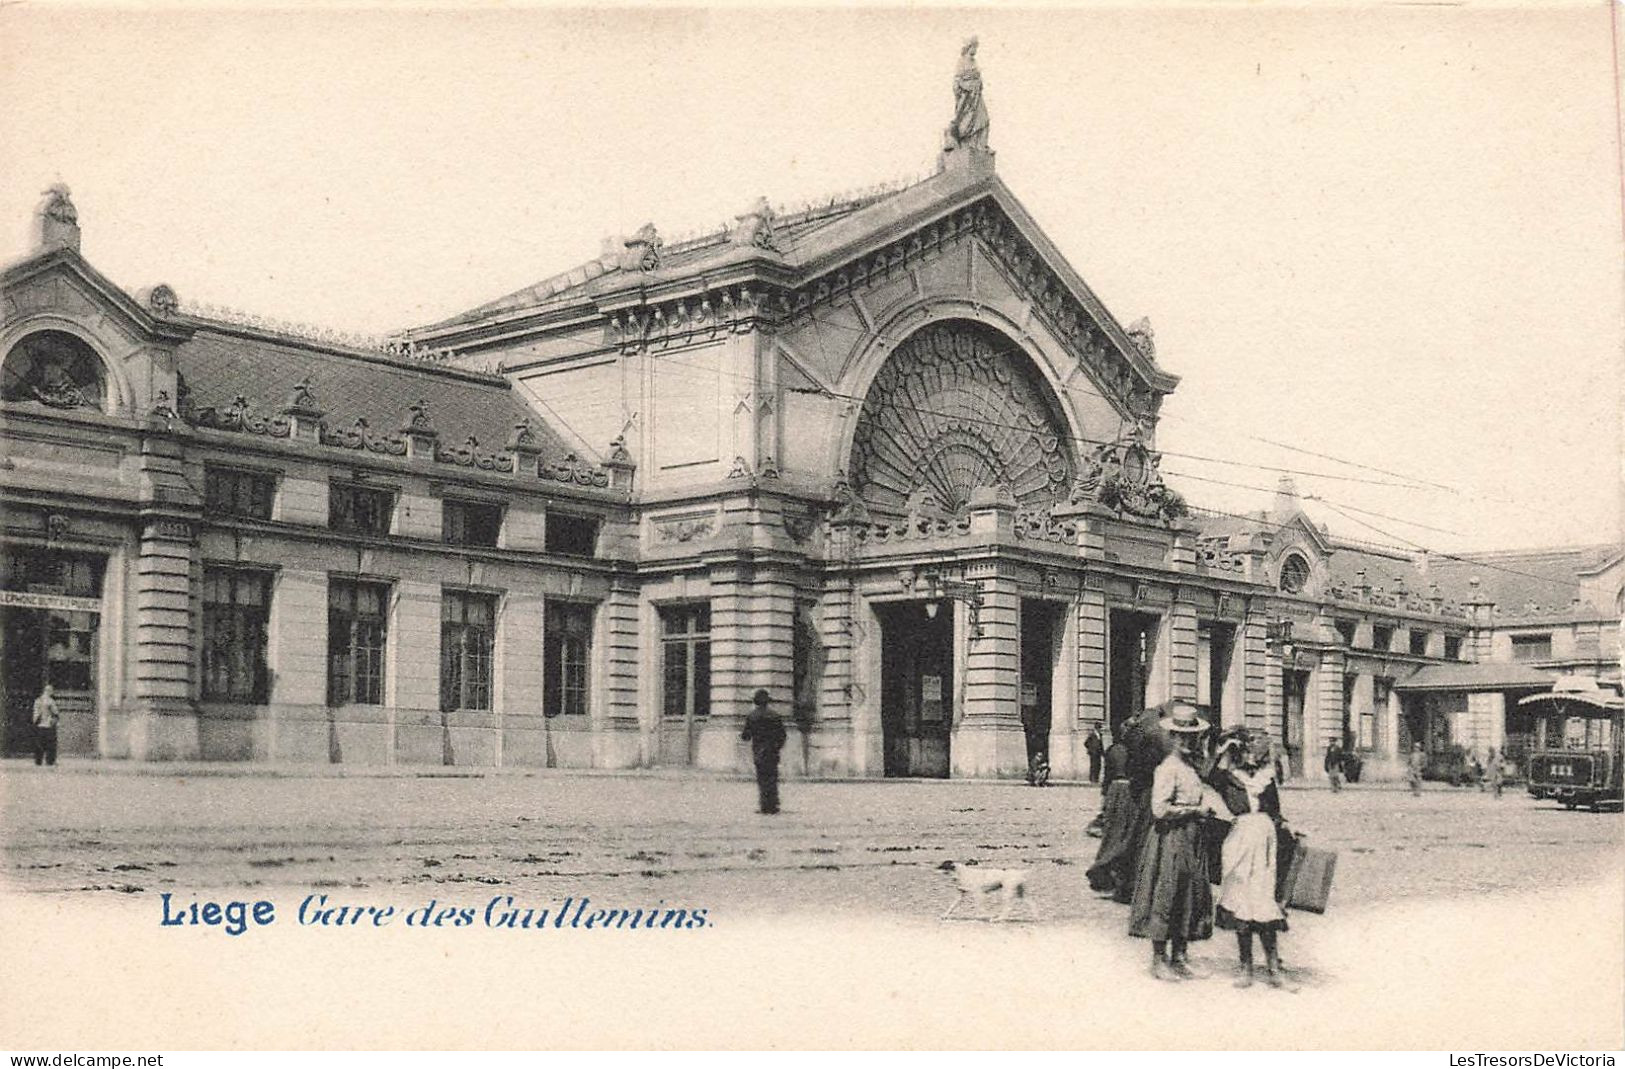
755 227
966 136
59 219
642 250
1143 337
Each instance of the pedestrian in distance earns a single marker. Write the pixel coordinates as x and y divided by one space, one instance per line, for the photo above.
45 718
1497 771
1173 902
1334 766
764 730
1094 748
1413 768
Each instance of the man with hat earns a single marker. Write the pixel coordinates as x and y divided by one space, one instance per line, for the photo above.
764 730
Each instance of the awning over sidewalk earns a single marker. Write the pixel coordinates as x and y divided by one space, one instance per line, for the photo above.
1475 677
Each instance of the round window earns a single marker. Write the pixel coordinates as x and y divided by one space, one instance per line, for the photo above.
1294 574
54 368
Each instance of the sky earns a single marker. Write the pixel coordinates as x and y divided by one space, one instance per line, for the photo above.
1381 245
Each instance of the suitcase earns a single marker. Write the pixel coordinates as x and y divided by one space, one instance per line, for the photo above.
1310 880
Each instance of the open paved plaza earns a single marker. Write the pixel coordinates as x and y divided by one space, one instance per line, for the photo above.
1457 920
848 846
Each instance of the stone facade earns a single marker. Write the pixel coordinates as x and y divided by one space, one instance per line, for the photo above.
890 460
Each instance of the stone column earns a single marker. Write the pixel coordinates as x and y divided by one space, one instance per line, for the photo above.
752 637
1182 652
163 717
987 737
1323 723
1256 667
412 686
616 716
1091 666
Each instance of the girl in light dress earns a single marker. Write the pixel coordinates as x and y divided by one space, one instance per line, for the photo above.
1250 892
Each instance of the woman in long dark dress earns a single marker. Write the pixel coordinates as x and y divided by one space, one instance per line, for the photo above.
1116 822
1173 904
1250 891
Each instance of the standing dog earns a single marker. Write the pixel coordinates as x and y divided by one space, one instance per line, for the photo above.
1008 886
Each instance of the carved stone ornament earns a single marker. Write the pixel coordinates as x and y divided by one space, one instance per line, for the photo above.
361 436
956 407
685 529
619 455
523 438
418 421
740 469
754 229
1125 477
967 132
470 455
1143 337
770 468
57 527
799 526
237 417
642 250
302 400
163 301
572 469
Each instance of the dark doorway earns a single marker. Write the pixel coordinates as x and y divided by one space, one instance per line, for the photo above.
1215 646
1133 645
1294 692
1038 632
917 686
22 657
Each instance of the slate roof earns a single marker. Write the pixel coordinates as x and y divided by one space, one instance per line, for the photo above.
220 365
789 231
1517 581
1484 675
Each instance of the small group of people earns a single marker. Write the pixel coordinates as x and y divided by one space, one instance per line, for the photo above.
1169 796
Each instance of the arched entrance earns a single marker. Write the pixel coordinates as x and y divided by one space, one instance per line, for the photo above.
956 407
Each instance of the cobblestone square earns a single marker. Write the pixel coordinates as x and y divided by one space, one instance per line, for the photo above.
1470 900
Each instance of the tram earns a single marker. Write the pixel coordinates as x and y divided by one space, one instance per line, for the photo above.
1577 757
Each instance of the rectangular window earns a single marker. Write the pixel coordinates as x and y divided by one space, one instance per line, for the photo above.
1452 647
70 649
1382 639
685 660
566 658
243 494
1346 630
44 571
236 612
572 536
357 631
470 523
1532 647
363 509
467 638
1419 643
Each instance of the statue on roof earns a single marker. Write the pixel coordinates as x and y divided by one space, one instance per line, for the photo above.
968 130
59 219
642 250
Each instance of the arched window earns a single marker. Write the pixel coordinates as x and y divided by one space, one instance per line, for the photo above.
54 368
1294 574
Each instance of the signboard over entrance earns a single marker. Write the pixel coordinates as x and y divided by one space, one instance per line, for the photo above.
28 599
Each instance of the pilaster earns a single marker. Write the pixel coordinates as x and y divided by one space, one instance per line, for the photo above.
1182 650
988 739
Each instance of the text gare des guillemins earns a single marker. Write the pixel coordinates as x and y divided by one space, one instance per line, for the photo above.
502 911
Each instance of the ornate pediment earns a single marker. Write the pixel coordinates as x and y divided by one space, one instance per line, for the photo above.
1126 477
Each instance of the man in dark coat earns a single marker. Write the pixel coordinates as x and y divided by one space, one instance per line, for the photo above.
1092 746
764 730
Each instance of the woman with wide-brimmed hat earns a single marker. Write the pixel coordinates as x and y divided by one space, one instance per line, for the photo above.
1173 904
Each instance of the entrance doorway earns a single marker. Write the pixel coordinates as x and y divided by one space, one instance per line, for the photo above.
1038 651
1133 648
1294 692
50 615
685 680
916 691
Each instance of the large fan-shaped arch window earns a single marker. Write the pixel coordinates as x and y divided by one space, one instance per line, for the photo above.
54 368
958 406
